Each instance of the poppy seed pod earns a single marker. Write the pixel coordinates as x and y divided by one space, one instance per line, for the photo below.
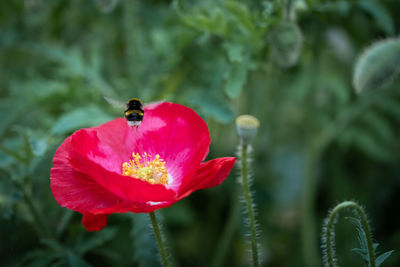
247 126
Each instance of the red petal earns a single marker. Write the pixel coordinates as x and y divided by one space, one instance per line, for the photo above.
211 173
94 222
93 158
76 190
114 135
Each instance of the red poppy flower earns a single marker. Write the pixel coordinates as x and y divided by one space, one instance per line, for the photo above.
116 168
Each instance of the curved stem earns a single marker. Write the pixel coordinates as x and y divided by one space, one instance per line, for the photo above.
249 204
157 232
328 238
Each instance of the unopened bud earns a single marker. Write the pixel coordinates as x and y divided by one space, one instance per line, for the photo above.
286 43
247 126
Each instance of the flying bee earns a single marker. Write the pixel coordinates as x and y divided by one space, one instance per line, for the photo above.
134 111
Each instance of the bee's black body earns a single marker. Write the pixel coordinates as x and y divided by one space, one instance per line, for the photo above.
134 104
134 112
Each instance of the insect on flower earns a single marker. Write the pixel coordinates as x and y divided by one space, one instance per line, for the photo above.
113 168
134 110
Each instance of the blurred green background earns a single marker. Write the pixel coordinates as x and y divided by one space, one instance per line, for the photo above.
289 63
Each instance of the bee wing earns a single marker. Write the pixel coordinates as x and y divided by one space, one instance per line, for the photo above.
153 103
115 103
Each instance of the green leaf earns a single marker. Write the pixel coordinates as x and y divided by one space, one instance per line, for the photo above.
381 15
363 250
13 109
40 258
362 240
341 7
98 239
242 13
369 145
338 88
76 261
235 79
62 225
381 258
235 52
378 65
13 154
71 59
80 118
144 243
207 21
53 244
390 106
212 103
71 63
380 126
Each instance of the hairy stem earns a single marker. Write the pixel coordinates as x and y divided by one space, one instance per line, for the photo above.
328 239
249 204
160 243
287 12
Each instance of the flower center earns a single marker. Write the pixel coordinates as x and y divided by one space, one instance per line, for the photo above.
146 168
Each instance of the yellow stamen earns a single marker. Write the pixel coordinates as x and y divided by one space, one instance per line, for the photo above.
146 169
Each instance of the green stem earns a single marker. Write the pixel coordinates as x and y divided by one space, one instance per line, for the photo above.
309 235
328 238
249 204
157 232
287 12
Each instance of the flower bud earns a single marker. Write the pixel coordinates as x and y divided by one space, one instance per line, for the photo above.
247 126
286 42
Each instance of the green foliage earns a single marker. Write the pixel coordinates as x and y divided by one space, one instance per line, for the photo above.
144 243
378 65
80 118
363 250
57 254
381 15
373 132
